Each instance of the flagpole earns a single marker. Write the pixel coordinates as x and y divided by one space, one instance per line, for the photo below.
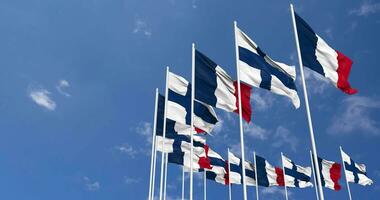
166 174
229 173
283 169
154 167
344 168
204 185
192 117
315 178
257 179
240 115
164 134
313 145
183 183
152 159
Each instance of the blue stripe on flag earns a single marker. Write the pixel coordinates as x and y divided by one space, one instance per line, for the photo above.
205 79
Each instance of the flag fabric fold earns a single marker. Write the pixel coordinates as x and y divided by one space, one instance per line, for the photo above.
267 175
236 169
330 173
179 106
318 56
259 70
215 87
296 175
355 173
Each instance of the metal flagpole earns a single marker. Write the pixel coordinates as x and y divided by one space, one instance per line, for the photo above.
257 179
192 117
315 178
183 183
152 159
154 167
240 115
166 174
283 169
204 185
229 174
313 146
164 133
344 168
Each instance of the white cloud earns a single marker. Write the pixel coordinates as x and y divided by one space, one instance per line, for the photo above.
283 137
62 84
129 180
145 129
274 190
328 32
366 8
91 185
355 114
194 4
256 131
142 28
316 83
41 97
127 149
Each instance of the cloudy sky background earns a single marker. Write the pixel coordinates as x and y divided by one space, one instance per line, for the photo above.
77 88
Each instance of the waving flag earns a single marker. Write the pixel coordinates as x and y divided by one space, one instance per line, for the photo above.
259 70
267 175
321 58
330 173
295 175
218 169
355 173
235 175
215 87
179 106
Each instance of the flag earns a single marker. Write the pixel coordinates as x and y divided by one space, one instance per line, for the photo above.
259 70
236 169
355 173
330 173
179 106
215 87
267 175
295 175
218 169
321 58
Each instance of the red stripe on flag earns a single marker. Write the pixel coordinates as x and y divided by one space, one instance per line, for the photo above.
344 68
280 176
204 162
245 100
227 174
335 175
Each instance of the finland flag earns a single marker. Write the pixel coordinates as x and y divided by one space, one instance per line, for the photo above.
259 70
215 87
295 175
235 174
179 106
355 173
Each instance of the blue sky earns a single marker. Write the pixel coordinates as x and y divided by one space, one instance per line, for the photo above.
77 88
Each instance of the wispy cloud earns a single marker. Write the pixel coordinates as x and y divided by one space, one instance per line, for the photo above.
129 180
194 4
62 85
274 190
141 27
283 137
127 149
262 100
91 185
316 83
42 98
145 129
366 8
256 131
355 114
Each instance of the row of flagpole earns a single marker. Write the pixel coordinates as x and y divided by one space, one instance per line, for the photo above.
164 157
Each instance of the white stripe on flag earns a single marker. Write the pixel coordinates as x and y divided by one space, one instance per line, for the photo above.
225 98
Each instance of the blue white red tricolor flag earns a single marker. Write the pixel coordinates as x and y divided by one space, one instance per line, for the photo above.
267 175
179 106
259 70
320 57
236 168
296 175
330 173
215 87
355 173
